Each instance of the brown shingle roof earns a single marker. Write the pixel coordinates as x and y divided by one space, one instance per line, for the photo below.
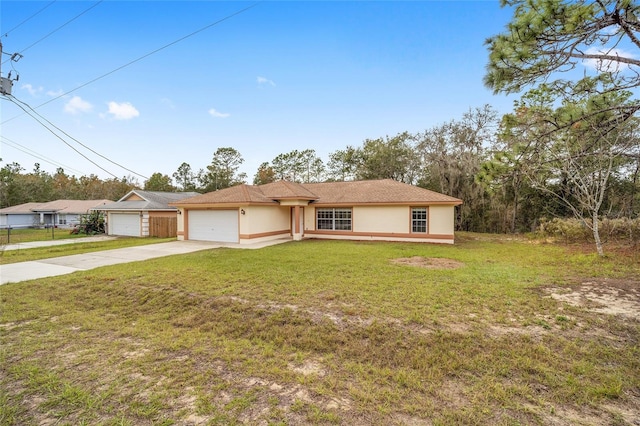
240 194
283 189
385 191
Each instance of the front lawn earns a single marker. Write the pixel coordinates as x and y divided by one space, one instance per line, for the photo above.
487 331
23 235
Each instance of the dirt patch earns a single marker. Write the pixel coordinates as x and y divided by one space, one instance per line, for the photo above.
559 415
428 262
608 296
308 368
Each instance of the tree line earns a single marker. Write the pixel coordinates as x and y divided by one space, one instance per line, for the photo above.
569 148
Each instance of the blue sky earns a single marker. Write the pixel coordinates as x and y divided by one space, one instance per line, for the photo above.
279 76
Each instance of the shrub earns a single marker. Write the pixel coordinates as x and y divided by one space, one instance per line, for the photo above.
91 224
623 230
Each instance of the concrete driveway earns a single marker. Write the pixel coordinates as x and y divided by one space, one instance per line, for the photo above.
16 272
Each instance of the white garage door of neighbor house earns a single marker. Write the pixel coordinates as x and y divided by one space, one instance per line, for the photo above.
127 224
213 225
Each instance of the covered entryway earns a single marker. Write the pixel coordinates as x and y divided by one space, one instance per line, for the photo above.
213 225
126 224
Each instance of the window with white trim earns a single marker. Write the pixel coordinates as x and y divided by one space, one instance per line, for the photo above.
62 219
333 219
419 219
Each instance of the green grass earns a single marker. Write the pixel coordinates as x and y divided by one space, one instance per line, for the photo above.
323 332
24 255
24 235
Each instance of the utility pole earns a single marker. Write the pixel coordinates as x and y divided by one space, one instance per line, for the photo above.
5 83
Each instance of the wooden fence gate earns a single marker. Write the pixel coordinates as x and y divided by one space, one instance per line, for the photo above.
163 227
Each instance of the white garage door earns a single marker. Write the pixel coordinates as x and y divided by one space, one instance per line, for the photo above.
213 225
127 224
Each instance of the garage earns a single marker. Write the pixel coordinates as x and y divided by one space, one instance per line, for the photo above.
126 224
213 225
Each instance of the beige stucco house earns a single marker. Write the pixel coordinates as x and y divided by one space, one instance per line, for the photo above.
361 210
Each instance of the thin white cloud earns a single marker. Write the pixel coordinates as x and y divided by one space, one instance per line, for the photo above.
122 111
263 80
76 105
55 93
33 91
604 65
217 114
168 103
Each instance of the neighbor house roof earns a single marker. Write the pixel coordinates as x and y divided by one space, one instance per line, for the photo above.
385 191
147 200
70 206
20 209
57 206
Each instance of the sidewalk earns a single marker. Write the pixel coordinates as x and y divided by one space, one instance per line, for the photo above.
23 271
47 243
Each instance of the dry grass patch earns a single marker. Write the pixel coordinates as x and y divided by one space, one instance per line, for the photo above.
428 263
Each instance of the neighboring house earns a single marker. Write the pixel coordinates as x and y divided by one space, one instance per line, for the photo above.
136 213
362 210
60 213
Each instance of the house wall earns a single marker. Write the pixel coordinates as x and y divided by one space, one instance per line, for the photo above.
180 231
134 197
144 224
380 219
22 220
388 223
264 222
72 219
309 218
392 219
441 220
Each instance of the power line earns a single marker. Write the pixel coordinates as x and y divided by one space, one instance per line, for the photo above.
19 147
60 27
15 145
29 18
14 99
144 56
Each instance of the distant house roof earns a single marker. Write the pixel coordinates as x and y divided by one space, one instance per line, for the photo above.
147 200
70 206
20 209
386 191
57 206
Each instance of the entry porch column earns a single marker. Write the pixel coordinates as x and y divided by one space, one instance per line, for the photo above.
296 231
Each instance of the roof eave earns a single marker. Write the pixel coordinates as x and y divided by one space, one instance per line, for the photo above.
388 203
230 204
